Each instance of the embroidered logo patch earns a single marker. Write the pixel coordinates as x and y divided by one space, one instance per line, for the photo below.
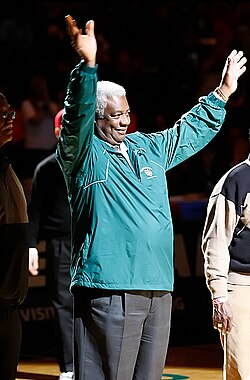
148 171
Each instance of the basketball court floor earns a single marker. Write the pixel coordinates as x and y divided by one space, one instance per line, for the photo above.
195 362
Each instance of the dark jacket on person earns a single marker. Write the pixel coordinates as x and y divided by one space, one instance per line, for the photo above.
13 236
49 214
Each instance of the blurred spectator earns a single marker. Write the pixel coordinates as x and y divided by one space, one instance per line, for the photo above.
38 112
14 150
49 219
234 148
193 179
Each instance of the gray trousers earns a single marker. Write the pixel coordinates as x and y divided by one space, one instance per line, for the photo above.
120 335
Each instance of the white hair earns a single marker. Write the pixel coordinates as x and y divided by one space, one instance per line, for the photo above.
106 89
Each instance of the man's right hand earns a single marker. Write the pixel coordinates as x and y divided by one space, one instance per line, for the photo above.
33 261
84 44
223 317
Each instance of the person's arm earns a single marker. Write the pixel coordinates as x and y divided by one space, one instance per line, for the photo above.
233 69
219 227
35 207
84 44
79 106
199 126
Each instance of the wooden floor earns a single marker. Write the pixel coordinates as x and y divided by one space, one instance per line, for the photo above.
203 362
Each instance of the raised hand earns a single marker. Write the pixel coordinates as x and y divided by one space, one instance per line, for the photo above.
233 69
84 44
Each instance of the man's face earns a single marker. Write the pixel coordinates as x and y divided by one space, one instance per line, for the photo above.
113 127
6 121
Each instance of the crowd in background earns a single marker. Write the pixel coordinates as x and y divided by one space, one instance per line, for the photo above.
191 42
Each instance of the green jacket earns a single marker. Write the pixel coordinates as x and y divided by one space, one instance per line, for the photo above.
122 233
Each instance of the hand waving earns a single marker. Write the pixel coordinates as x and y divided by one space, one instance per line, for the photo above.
233 69
84 44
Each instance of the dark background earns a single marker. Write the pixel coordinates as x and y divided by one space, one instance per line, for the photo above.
166 55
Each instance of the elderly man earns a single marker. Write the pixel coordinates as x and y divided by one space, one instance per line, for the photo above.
122 236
